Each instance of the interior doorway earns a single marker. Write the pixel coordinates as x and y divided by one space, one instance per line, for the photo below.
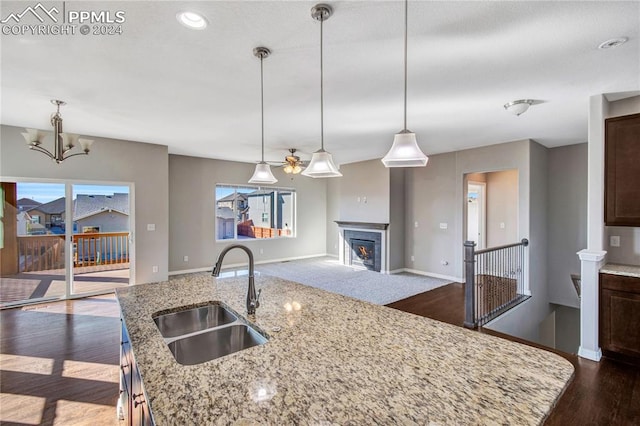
477 213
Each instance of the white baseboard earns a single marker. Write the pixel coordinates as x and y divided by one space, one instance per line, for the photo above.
430 274
590 354
237 265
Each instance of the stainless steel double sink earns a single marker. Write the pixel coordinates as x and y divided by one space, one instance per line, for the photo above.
200 333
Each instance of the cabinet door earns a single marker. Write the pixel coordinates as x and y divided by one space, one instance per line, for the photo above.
622 173
620 322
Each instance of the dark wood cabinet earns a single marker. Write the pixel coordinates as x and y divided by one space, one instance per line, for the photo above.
622 171
133 399
620 316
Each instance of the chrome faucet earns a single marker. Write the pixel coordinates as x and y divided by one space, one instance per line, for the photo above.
253 301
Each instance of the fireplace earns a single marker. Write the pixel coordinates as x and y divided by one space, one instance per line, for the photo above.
363 248
363 253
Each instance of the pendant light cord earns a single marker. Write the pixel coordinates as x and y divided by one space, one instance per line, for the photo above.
321 89
262 102
406 25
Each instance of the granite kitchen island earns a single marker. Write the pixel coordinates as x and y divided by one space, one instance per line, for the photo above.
331 359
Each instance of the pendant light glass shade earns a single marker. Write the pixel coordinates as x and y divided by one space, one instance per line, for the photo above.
321 165
263 174
405 151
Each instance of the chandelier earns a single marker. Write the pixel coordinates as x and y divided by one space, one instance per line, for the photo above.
62 142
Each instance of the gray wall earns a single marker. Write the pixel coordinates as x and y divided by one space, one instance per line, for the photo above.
396 219
502 207
567 329
111 160
567 216
525 320
192 186
365 192
432 198
333 214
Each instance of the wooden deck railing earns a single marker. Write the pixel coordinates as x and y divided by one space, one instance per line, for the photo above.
101 248
46 252
40 252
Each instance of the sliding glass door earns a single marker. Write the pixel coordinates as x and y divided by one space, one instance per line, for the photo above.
63 239
101 238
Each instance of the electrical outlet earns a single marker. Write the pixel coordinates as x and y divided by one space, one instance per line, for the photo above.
364 200
261 251
154 268
502 225
186 258
415 225
413 258
614 241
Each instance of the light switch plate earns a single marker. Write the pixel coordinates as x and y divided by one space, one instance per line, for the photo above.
444 225
151 226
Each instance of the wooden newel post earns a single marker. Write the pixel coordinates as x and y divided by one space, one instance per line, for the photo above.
469 289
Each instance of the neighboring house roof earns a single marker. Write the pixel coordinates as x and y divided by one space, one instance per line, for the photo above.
234 196
107 211
88 205
24 204
52 207
224 213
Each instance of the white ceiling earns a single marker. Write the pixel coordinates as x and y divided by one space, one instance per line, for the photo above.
198 92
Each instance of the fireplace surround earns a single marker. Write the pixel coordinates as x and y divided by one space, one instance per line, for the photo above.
363 244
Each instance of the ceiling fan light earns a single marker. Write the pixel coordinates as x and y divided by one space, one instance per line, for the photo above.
405 152
288 169
321 166
263 174
296 169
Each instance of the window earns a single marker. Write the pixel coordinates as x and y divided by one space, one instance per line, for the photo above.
250 212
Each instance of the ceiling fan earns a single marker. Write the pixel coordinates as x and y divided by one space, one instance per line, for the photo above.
292 163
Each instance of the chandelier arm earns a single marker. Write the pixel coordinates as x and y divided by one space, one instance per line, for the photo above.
73 155
42 150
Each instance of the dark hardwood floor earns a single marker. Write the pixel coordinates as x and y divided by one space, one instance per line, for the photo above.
601 393
59 365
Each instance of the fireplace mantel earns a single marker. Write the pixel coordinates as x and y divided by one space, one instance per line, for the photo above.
362 225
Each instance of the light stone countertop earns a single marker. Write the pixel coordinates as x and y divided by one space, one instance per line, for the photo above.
617 269
336 361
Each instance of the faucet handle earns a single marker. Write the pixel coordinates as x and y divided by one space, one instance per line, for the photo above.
257 304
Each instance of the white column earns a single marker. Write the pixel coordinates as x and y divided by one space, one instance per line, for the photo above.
591 262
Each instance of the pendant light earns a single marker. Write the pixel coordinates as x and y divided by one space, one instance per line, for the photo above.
262 174
321 165
405 151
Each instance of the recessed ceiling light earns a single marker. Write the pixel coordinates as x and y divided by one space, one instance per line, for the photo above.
192 20
614 42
